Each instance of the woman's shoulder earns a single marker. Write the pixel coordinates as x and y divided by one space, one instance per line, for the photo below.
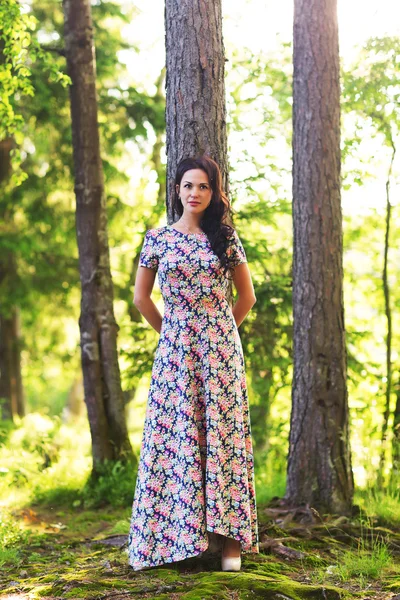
156 232
231 234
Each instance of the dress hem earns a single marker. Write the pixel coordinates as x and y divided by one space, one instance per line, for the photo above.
207 543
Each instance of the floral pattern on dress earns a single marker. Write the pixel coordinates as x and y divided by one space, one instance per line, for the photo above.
196 467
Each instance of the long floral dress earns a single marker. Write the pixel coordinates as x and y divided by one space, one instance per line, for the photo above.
196 470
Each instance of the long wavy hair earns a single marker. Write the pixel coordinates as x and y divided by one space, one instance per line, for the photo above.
216 221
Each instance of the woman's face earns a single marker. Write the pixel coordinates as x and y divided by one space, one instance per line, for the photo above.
195 191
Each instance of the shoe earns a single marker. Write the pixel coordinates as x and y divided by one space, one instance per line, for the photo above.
231 563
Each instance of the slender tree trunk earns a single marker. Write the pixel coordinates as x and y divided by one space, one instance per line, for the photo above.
98 328
11 390
6 403
395 473
388 314
16 375
195 111
5 359
319 465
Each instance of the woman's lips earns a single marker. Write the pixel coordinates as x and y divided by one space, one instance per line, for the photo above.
194 203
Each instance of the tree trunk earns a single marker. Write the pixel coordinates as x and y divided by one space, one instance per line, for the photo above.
395 473
388 315
6 403
195 110
5 359
11 390
195 89
16 375
98 328
319 465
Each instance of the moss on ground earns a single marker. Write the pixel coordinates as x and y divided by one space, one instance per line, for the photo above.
64 555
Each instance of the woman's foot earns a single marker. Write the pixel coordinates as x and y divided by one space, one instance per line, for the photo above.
230 559
230 548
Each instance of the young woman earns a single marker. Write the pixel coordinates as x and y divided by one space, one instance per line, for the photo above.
196 470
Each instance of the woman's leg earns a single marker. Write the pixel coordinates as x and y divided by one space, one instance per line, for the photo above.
230 547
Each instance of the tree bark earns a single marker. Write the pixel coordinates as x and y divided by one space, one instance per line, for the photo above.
16 382
98 328
319 465
395 472
388 315
11 389
195 90
195 85
6 403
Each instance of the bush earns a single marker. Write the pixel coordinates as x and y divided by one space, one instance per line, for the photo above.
12 538
114 485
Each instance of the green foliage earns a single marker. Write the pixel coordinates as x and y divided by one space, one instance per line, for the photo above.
38 230
114 486
371 86
42 441
384 504
40 456
59 557
364 564
12 537
361 565
270 480
47 462
121 528
19 49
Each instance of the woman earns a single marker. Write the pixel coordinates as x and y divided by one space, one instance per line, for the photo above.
196 471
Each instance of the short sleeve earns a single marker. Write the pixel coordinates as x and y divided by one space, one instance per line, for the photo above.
149 254
235 250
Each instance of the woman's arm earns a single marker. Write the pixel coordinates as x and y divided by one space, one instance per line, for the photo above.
246 296
141 299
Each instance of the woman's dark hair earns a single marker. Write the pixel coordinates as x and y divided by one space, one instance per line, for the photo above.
217 218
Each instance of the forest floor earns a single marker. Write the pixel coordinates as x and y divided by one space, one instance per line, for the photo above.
75 553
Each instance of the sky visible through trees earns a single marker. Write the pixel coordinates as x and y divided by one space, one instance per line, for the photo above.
261 25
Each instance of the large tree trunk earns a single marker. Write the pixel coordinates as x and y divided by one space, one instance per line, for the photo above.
195 86
195 111
319 465
98 328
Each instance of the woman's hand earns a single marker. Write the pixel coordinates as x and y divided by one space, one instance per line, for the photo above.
144 283
246 296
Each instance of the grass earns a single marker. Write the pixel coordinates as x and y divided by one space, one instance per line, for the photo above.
384 505
358 567
13 537
50 507
364 564
367 559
